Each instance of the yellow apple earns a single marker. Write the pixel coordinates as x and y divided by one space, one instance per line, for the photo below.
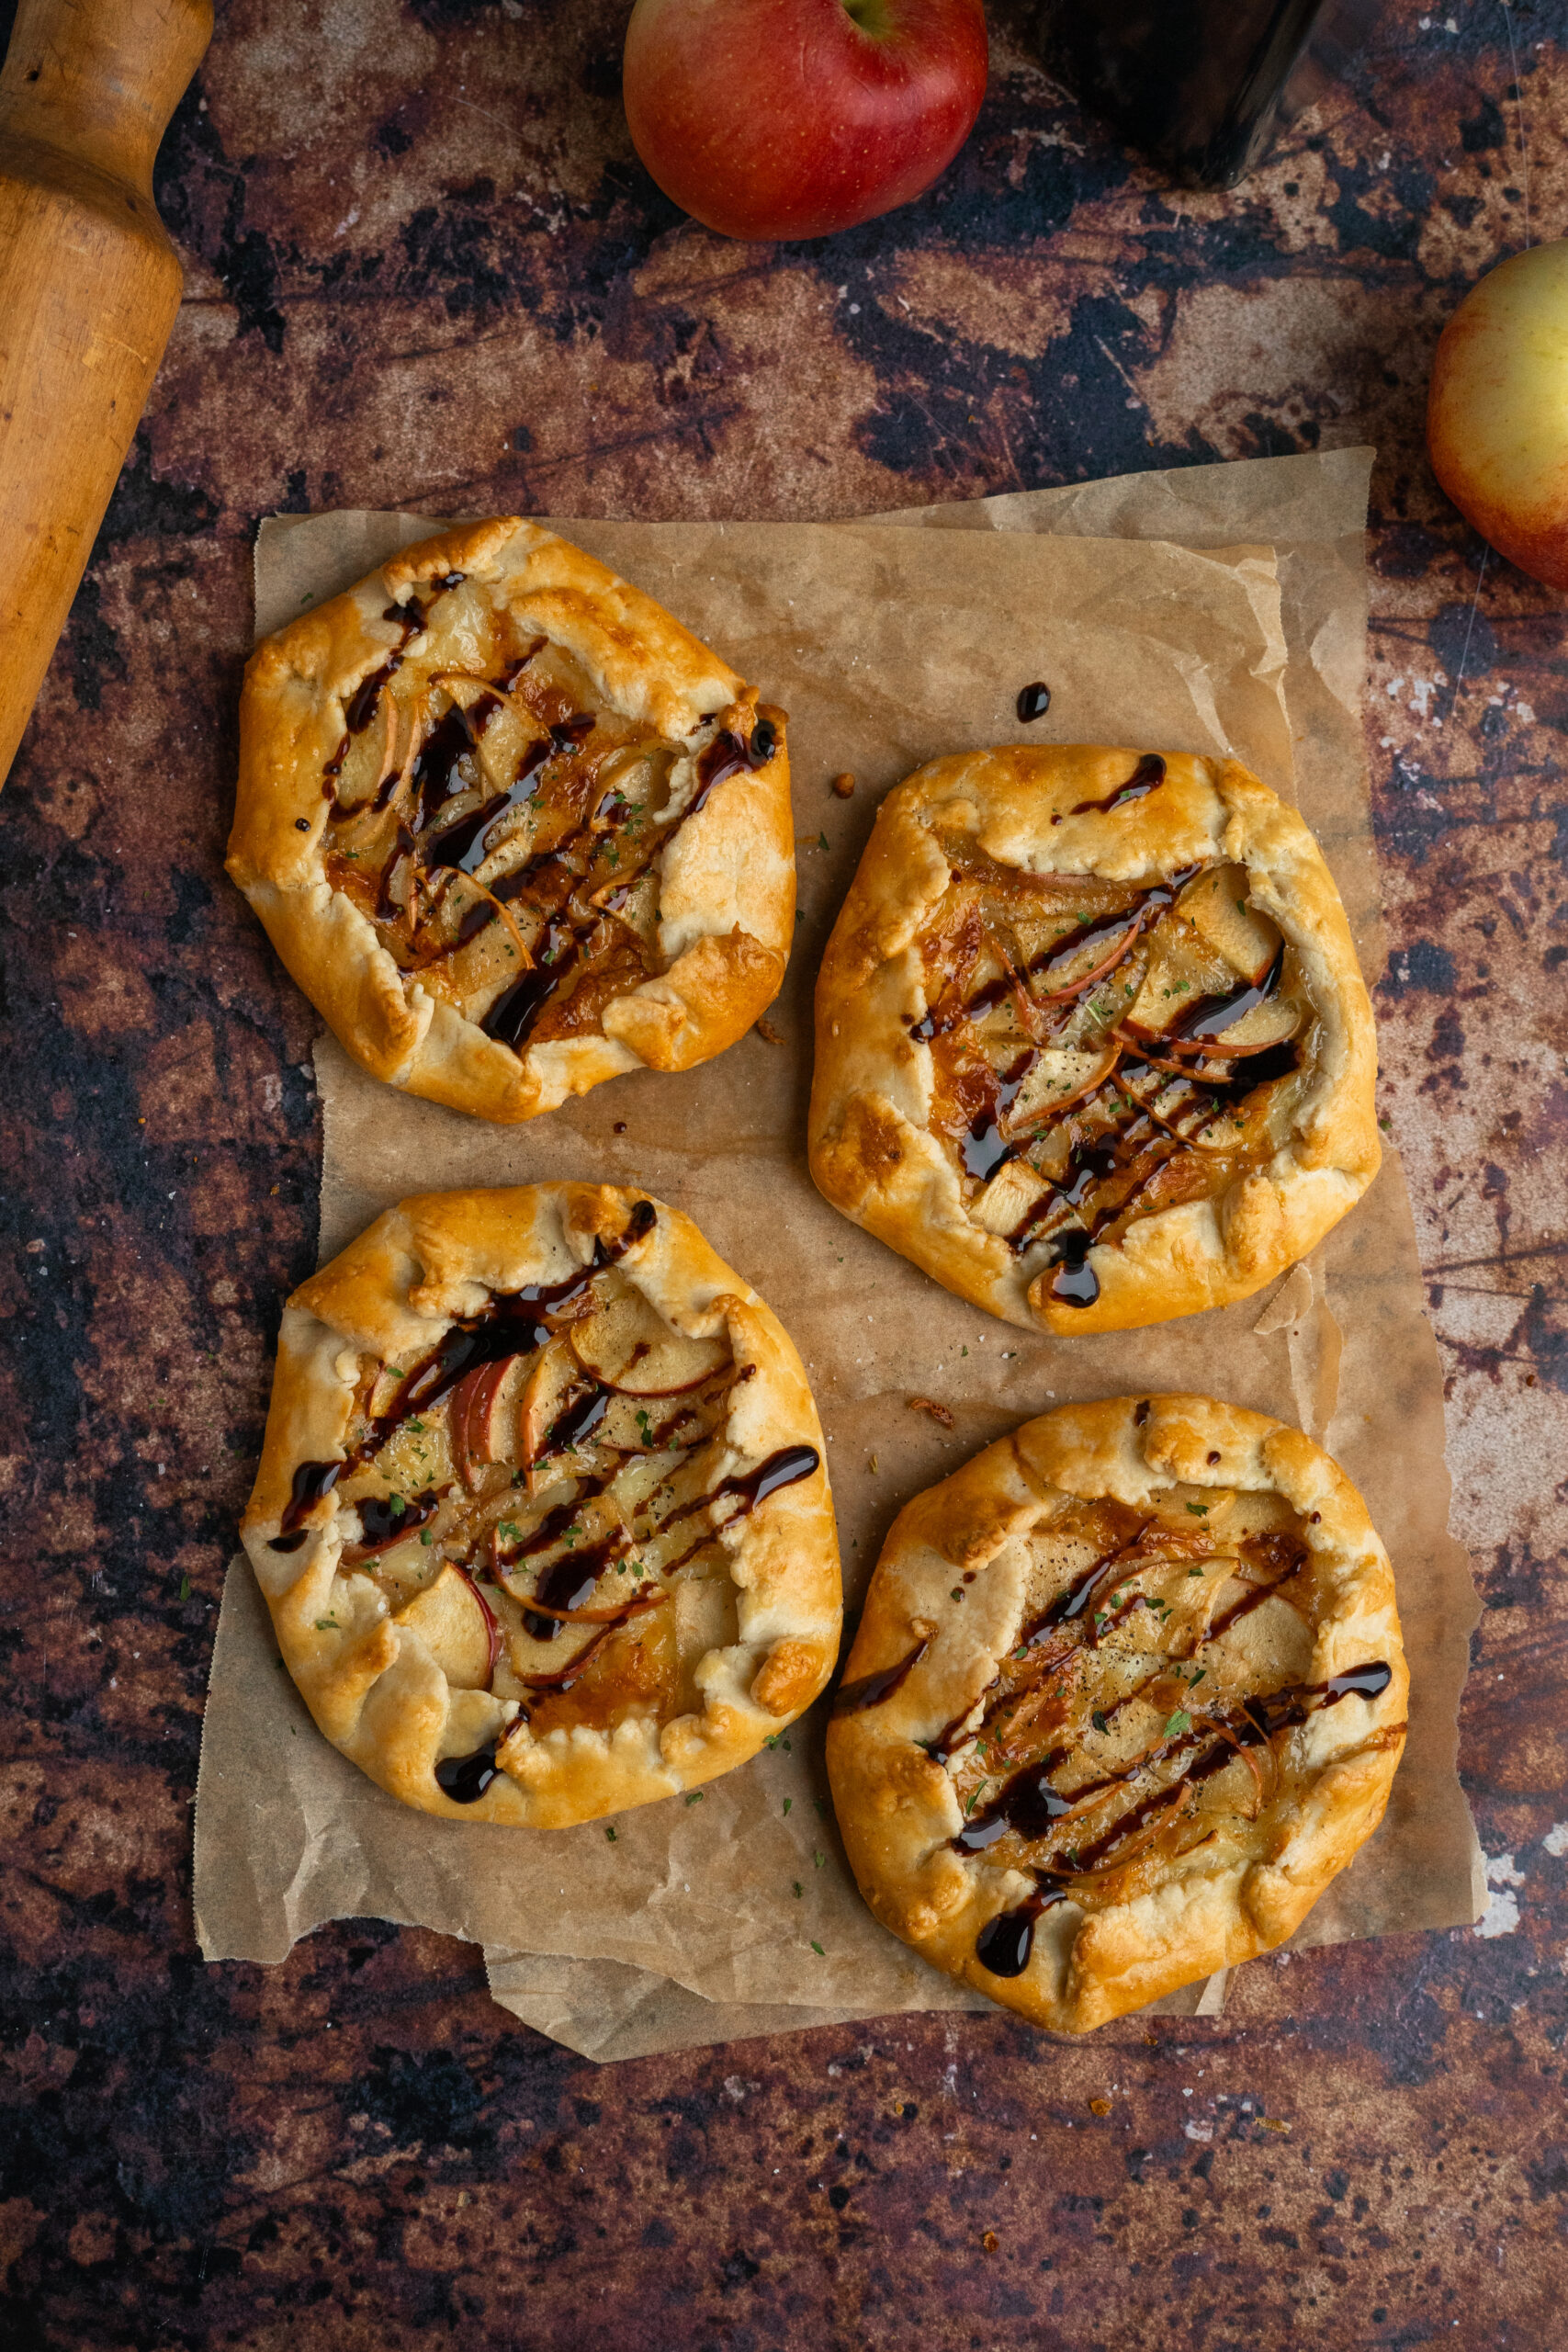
1497 412
457 1627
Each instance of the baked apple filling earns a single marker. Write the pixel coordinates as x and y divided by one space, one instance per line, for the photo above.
1147 1704
538 1497
504 831
1103 1050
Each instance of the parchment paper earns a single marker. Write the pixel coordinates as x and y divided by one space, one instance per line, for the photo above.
701 1922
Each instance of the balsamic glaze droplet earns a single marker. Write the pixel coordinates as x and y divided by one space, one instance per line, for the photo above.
1033 701
1075 1283
311 1481
465 1779
387 1518
289 1542
1004 1943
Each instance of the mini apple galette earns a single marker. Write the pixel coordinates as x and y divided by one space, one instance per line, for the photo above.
1092 1047
542 1517
1127 1693
511 828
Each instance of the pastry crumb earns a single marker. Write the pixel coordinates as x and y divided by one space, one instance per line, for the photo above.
928 1405
768 1034
843 786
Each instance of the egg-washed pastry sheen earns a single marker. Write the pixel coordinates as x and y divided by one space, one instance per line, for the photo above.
510 827
1092 1046
542 1516
1127 1693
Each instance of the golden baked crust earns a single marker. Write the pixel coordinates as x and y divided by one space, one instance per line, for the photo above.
1012 1085
542 1516
510 827
1127 1693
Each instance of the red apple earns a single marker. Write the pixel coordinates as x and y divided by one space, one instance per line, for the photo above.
1497 414
796 117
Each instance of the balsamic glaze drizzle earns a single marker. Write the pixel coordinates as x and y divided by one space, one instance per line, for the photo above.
1148 773
784 1468
511 1017
1144 1145
361 707
1030 1806
1051 962
1213 1014
512 1324
1033 702
872 1689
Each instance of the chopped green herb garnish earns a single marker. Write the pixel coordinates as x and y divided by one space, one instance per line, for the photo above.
817 1858
1194 1572
1098 1720
787 1803
1199 1510
695 1797
185 1588
817 1949
611 1836
799 1889
1179 1722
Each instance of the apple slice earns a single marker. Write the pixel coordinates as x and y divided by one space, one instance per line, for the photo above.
1061 1076
470 1416
457 1627
1009 1198
1270 1024
625 1344
555 1383
1216 906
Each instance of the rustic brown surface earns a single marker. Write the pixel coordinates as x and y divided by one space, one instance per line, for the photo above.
423 265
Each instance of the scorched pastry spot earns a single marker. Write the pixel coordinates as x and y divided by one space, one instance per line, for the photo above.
1127 1693
542 1516
511 828
1092 1046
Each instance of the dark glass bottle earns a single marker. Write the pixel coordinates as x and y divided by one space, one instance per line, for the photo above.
1201 84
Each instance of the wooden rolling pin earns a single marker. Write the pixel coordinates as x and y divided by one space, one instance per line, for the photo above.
89 286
